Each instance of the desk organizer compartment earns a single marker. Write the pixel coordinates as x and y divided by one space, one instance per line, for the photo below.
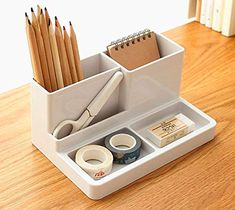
157 82
200 119
49 109
145 95
151 157
96 189
145 150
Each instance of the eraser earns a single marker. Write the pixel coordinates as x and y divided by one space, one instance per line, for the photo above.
169 130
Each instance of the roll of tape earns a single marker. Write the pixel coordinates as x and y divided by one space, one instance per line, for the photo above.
95 153
124 147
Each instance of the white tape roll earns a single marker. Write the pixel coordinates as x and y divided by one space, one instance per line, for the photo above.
95 153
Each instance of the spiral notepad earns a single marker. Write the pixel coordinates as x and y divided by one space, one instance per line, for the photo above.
135 50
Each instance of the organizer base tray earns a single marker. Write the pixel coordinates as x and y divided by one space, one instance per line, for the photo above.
61 152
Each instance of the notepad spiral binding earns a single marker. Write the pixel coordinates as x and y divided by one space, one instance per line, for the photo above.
126 40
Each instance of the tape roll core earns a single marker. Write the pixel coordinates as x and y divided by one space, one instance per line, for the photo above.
123 155
122 139
98 153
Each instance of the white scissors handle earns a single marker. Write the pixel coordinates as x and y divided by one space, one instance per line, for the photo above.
68 127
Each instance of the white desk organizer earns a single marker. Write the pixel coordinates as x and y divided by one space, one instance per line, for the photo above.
145 95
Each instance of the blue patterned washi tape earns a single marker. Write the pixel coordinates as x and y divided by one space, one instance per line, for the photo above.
127 155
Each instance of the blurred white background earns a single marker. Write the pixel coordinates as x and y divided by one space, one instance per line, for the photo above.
97 23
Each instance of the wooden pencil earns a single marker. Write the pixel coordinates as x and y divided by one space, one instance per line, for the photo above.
58 24
47 16
45 36
42 53
55 55
34 55
26 20
63 56
70 56
74 44
38 12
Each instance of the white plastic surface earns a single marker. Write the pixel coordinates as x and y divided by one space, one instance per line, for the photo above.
145 95
190 124
92 109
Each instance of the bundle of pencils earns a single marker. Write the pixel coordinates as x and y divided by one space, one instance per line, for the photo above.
54 54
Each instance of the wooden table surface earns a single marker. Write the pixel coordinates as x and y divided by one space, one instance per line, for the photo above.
204 178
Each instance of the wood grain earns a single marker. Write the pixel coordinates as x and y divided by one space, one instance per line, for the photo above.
202 179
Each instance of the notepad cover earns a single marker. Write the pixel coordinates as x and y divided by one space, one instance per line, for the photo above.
136 52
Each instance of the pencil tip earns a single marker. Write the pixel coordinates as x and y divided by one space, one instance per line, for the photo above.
32 9
45 9
70 23
26 15
29 22
56 18
64 28
41 11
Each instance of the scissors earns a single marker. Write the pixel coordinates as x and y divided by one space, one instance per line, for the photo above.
68 127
